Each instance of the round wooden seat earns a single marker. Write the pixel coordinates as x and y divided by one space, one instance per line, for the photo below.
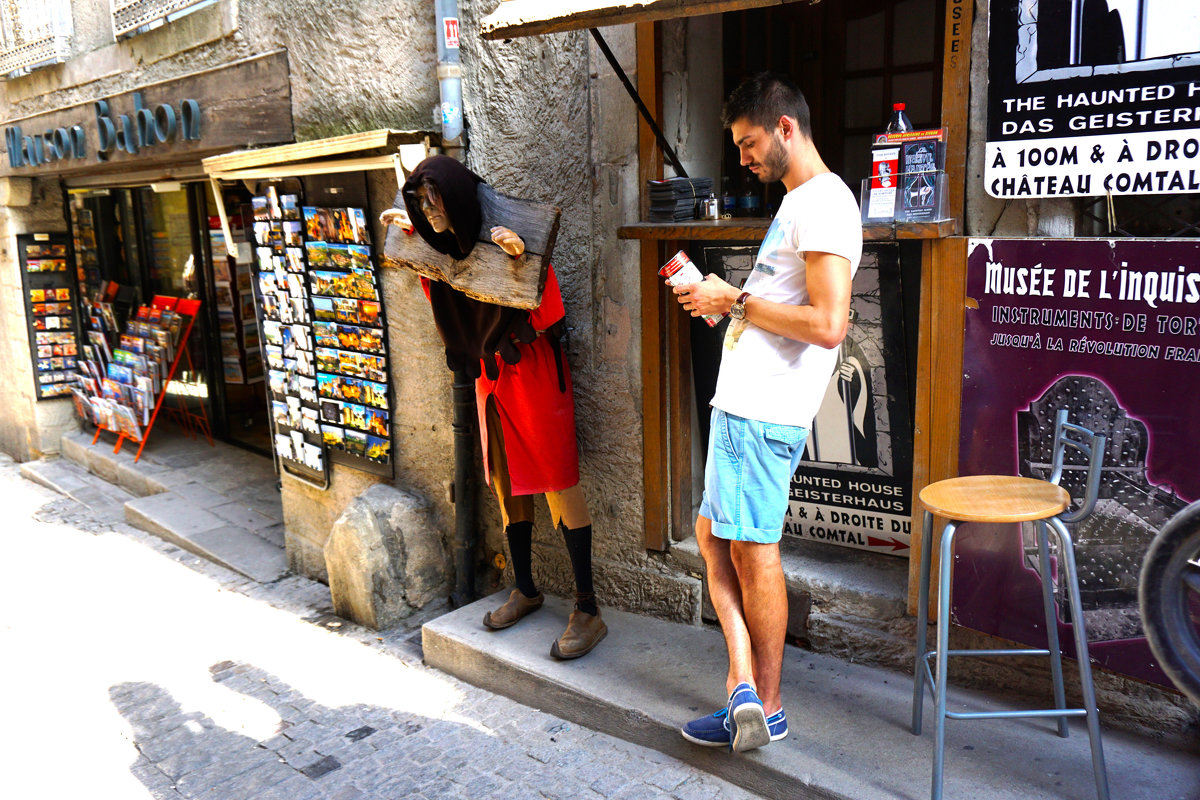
994 498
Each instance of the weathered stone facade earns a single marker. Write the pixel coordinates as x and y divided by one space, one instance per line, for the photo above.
546 119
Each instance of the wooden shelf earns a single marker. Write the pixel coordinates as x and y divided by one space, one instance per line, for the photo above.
754 229
739 230
892 231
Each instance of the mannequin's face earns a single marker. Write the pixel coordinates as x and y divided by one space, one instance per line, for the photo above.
430 201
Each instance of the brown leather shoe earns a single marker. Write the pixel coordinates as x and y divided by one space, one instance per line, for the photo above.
584 631
516 606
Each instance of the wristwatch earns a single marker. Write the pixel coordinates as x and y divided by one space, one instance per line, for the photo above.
738 309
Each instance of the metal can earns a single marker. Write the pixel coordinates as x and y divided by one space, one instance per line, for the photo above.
680 271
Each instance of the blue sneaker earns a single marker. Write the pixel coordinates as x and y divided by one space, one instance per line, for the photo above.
747 720
710 731
713 730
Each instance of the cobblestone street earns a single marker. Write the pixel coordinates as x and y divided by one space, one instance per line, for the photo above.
133 669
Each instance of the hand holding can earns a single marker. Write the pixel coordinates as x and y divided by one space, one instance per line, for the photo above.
680 271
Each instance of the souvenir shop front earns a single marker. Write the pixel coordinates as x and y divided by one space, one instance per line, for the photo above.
156 312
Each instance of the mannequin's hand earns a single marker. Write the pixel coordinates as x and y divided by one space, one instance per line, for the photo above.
508 241
397 216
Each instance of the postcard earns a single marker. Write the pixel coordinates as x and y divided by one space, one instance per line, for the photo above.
375 394
379 449
368 313
292 236
318 254
289 206
333 436
346 310
356 443
326 333
312 224
294 259
360 256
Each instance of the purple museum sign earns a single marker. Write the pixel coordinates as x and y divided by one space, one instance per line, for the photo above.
1109 330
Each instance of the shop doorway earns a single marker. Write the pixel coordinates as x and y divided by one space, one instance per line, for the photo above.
165 239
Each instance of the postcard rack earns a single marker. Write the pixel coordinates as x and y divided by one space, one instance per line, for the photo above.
123 420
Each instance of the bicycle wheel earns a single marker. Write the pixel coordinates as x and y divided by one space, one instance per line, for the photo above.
1169 599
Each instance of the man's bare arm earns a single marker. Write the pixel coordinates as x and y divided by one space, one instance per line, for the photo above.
823 321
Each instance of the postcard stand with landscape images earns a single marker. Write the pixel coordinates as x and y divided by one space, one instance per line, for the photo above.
49 289
349 327
285 322
123 374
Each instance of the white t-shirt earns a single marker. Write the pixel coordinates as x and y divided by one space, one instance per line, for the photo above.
767 377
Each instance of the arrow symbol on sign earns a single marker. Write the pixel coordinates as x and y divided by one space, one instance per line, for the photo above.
891 542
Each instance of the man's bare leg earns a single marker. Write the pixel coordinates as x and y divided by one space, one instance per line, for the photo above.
764 612
726 595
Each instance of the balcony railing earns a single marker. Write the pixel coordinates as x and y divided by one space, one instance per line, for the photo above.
34 33
130 15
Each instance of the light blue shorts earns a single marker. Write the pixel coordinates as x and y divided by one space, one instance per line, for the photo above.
747 476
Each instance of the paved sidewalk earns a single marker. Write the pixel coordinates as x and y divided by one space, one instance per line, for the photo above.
134 669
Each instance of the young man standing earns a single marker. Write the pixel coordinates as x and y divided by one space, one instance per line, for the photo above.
780 350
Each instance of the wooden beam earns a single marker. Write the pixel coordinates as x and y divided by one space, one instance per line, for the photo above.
381 140
681 408
516 18
655 442
938 387
956 93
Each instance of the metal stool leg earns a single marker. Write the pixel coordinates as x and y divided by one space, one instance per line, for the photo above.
1052 644
1067 555
943 655
922 624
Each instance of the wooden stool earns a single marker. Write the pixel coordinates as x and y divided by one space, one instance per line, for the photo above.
1006 499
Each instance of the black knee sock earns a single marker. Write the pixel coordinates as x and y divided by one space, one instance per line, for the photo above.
520 547
579 547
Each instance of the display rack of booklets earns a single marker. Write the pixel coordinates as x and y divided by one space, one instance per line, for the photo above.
123 375
87 256
49 289
330 376
241 354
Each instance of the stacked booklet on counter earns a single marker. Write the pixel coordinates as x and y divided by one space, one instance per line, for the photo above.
676 199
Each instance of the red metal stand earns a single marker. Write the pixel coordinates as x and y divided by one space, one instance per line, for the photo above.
187 420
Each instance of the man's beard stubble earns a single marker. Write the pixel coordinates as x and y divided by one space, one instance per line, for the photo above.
775 163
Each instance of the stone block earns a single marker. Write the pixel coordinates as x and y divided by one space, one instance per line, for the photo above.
385 557
74 447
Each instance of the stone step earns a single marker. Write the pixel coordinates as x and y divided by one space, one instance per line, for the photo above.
67 478
208 533
850 724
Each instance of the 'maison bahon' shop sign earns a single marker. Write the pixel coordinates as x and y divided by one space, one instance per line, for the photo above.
133 133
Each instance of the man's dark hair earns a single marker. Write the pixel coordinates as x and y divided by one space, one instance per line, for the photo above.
763 98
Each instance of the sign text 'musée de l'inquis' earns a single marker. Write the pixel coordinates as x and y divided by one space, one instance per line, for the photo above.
1093 100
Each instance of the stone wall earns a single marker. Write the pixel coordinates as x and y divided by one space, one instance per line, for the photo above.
547 119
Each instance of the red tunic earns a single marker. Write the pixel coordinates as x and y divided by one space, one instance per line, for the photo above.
537 419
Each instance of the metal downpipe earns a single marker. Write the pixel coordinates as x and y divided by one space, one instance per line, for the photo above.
466 508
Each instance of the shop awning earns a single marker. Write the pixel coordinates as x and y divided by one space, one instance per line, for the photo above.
355 152
378 149
514 18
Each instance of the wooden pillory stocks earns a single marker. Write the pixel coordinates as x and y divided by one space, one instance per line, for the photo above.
488 273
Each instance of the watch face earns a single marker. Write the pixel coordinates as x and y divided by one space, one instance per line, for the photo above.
737 311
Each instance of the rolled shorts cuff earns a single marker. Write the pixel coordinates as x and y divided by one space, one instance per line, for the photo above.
735 533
